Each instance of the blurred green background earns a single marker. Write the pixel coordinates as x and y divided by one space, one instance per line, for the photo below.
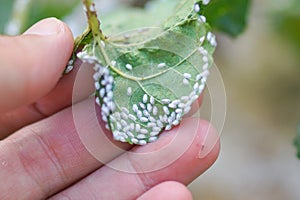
260 69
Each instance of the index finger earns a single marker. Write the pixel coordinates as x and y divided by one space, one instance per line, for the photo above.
31 64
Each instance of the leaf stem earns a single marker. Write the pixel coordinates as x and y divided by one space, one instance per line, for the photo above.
94 26
93 21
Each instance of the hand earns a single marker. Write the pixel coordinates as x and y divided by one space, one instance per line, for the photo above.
41 151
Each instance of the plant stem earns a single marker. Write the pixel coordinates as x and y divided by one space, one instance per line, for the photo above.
93 21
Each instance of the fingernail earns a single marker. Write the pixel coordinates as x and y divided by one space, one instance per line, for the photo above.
209 142
46 27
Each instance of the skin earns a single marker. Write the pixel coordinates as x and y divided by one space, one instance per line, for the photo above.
41 152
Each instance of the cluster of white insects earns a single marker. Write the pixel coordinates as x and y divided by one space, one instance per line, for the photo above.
142 122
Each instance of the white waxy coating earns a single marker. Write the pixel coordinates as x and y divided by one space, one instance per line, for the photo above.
123 123
149 107
130 134
110 95
185 98
172 105
152 119
196 86
198 77
205 73
151 124
156 129
98 100
202 39
160 124
132 117
141 136
124 116
97 76
142 106
144 119
205 66
142 142
166 110
137 128
111 106
134 141
166 101
187 75
155 110
205 2
102 43
197 8
125 110
175 123
152 139
97 85
202 19
205 59
185 81
201 88
168 127
143 131
139 114
105 110
145 98
113 63
135 108
146 113
129 67
178 110
152 100
154 133
161 65
129 91
102 92
209 36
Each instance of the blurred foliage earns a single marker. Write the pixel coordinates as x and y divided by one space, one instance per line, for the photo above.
40 9
297 142
228 16
6 7
25 13
287 22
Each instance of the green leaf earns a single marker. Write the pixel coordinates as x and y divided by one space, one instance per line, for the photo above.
156 13
286 21
228 16
147 79
5 13
297 142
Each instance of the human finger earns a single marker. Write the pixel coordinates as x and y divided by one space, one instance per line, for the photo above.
31 64
62 96
43 158
167 190
129 176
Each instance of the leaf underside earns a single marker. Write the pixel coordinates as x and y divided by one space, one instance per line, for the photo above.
146 79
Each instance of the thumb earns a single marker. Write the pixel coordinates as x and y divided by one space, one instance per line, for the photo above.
31 64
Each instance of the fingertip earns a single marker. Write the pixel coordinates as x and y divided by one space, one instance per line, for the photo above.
167 190
210 143
32 63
